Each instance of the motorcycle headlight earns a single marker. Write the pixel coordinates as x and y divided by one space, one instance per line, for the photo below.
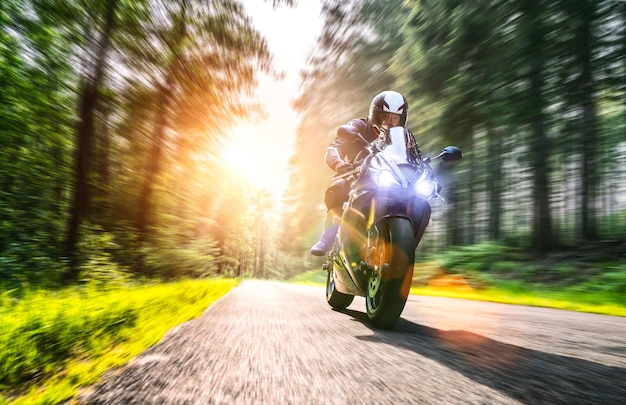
385 178
425 188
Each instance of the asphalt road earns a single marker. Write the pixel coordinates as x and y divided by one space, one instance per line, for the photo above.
273 343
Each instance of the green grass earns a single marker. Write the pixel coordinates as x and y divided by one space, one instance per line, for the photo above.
54 343
592 303
312 277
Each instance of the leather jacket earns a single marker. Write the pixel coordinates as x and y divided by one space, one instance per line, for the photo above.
350 143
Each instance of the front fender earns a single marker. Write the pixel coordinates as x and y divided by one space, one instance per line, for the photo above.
362 221
399 203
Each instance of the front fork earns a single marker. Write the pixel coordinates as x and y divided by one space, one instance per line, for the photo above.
374 270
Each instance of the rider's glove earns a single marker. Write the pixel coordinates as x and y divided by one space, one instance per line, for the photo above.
343 167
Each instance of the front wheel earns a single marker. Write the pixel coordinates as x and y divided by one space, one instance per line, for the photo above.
335 298
390 280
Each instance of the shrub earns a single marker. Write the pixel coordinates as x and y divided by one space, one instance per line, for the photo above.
505 267
472 258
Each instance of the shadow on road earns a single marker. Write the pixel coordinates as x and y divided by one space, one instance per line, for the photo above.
529 376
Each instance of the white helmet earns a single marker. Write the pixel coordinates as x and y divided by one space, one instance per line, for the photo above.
388 109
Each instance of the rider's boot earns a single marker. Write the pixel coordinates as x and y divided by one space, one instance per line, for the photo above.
327 239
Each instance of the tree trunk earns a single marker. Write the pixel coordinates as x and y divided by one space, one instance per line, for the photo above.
85 136
590 167
470 223
453 212
542 239
494 159
104 150
146 203
153 167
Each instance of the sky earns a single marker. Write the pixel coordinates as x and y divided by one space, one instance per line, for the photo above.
267 146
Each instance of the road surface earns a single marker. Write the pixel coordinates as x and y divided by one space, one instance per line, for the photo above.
273 343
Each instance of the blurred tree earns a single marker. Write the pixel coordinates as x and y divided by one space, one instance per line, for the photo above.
455 50
36 117
458 48
587 14
204 59
534 110
90 72
589 72
89 98
111 112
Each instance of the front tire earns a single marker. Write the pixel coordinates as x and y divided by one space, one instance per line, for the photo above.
336 299
389 284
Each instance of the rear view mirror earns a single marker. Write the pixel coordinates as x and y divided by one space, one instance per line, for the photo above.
451 154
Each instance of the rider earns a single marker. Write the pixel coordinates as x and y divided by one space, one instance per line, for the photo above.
388 109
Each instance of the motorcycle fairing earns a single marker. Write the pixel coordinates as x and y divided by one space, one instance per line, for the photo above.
360 228
353 240
393 202
344 281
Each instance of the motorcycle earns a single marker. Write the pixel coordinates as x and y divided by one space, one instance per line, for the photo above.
382 223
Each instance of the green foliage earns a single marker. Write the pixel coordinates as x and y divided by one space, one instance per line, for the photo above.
196 258
495 263
480 257
98 265
611 283
315 277
210 55
504 267
35 117
53 342
522 294
584 278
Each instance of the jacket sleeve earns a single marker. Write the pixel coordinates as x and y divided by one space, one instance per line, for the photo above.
337 151
346 145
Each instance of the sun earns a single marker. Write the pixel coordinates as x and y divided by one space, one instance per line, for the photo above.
262 164
242 158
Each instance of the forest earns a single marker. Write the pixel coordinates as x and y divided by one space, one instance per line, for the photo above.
532 91
112 113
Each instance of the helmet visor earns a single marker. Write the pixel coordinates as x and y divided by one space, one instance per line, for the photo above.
389 120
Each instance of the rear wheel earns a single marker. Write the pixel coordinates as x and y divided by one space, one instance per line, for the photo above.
390 280
334 298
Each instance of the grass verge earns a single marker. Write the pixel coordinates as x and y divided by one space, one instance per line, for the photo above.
546 299
54 343
507 293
